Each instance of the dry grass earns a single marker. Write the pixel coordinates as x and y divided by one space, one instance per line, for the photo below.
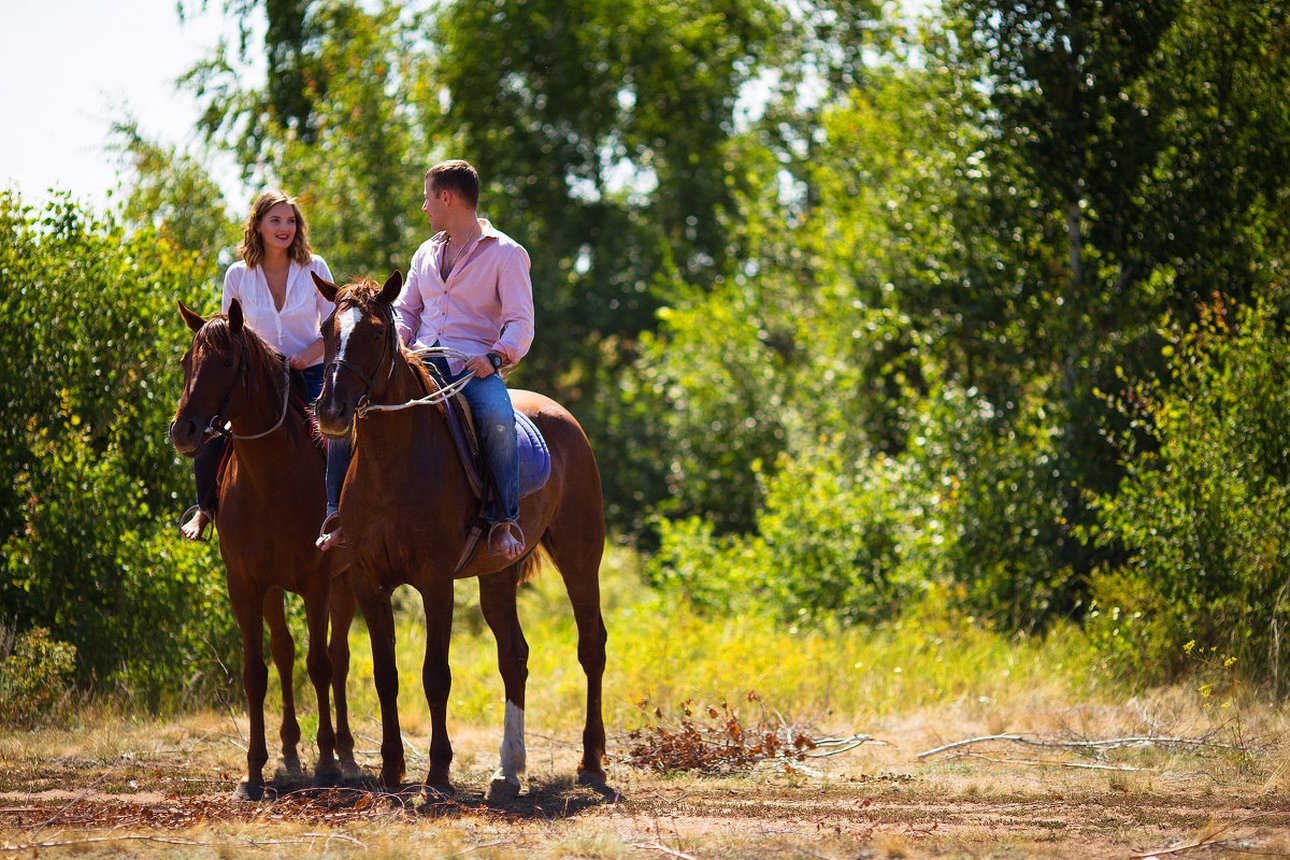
118 783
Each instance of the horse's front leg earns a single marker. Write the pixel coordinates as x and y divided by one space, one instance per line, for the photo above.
326 772
247 606
437 678
497 600
342 607
385 674
283 649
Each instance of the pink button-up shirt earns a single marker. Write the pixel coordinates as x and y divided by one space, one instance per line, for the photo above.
485 305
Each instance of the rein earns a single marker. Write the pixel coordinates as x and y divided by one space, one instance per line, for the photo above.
434 398
365 406
215 426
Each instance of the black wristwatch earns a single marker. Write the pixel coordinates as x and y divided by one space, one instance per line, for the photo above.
495 360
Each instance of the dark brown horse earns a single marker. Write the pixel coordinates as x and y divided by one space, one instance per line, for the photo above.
405 510
271 504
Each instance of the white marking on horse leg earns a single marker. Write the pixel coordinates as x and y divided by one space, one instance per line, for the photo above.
513 755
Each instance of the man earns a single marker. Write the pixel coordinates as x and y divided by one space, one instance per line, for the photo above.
468 289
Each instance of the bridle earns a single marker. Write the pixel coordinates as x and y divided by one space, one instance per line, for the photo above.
215 427
391 332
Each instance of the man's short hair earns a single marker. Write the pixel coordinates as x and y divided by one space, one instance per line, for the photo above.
456 176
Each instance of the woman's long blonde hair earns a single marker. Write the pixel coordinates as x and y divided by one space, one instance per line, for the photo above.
252 247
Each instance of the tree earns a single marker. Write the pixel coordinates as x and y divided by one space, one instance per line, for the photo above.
90 374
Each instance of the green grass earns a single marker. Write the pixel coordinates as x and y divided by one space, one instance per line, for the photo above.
663 652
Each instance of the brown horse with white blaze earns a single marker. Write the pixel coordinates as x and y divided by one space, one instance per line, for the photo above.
271 503
405 510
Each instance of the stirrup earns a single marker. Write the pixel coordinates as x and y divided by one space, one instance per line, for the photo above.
332 520
201 535
508 524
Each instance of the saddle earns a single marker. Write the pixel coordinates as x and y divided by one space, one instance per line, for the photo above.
534 457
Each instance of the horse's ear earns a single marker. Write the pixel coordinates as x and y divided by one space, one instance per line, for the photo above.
235 317
390 291
326 287
194 319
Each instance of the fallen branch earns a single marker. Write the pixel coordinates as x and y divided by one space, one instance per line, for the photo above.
1108 743
658 846
96 839
1041 762
1209 840
835 746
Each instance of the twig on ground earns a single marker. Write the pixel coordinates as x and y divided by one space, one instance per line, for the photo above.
481 847
74 800
1108 743
1042 763
94 840
659 846
835 746
1208 841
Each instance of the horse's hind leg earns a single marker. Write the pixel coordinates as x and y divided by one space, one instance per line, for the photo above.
283 648
497 600
342 607
576 545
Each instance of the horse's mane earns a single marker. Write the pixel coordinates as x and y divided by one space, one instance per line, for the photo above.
264 360
364 294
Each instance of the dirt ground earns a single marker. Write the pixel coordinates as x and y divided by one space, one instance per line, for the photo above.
166 790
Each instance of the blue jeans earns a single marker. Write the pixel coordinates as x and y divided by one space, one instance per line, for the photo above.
338 453
490 405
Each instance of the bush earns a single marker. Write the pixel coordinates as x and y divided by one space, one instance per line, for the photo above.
836 539
1204 511
1001 499
35 675
89 486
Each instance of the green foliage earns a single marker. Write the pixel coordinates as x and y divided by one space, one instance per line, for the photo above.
90 486
1001 500
35 675
1202 511
837 538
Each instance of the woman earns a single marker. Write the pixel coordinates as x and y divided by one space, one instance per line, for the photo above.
273 285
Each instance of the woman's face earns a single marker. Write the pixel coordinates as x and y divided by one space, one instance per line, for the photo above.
278 226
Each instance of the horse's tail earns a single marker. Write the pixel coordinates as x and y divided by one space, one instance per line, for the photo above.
532 564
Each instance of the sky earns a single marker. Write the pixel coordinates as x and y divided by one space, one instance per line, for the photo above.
70 68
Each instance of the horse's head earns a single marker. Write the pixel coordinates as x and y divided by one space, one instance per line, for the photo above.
212 366
360 343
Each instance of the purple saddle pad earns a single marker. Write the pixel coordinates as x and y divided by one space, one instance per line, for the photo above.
535 458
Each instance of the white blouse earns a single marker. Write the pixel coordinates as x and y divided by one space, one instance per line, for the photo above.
294 328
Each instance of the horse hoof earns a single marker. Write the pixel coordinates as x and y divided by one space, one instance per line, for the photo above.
441 793
327 777
503 788
289 772
248 791
592 778
350 771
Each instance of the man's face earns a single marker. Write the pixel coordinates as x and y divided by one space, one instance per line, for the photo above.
435 206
